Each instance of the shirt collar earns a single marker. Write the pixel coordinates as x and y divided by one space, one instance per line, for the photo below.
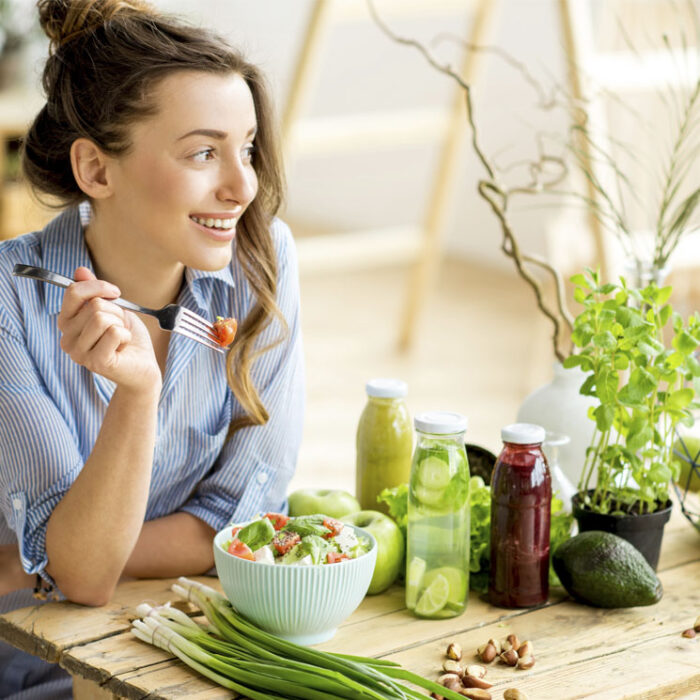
64 249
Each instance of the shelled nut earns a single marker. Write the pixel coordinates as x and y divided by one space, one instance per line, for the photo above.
452 666
475 670
496 644
475 682
514 641
690 633
506 644
525 662
487 652
510 657
514 694
451 681
525 649
475 693
454 651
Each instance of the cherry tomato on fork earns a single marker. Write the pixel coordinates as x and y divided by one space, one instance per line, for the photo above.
225 329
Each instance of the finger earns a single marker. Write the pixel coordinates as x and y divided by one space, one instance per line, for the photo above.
91 334
105 354
83 274
74 328
81 291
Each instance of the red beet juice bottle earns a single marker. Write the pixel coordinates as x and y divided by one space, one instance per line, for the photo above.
521 495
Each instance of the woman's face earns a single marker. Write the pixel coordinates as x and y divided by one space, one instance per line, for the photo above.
188 175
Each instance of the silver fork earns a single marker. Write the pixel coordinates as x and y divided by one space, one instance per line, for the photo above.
172 317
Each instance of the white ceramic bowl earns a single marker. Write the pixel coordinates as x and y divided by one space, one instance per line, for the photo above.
304 604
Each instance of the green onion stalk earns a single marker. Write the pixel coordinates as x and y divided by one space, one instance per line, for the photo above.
233 652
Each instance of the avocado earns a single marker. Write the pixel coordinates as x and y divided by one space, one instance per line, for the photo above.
602 569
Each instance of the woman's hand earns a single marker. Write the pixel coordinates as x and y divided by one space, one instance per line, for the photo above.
12 575
103 337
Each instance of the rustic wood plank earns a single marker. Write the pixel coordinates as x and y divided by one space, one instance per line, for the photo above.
680 546
568 635
84 689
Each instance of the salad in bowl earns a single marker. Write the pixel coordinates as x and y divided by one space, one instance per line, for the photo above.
302 541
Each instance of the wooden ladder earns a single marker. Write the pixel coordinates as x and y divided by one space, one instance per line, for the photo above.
419 245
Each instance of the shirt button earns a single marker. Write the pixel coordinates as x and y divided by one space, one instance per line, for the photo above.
17 503
262 478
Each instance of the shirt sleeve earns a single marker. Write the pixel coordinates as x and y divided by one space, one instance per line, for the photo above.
255 466
39 455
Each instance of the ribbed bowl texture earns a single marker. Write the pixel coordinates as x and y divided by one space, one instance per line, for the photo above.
304 604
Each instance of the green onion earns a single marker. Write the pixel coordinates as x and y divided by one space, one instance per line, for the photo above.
233 652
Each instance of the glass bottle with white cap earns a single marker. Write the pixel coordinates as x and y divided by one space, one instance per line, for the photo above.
437 571
384 442
521 495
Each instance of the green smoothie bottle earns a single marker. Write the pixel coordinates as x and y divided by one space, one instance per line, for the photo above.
437 571
384 442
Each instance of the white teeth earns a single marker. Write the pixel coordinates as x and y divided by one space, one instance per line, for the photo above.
215 223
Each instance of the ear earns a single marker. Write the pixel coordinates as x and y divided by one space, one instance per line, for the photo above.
91 168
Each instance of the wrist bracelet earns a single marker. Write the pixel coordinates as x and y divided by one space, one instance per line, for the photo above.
43 590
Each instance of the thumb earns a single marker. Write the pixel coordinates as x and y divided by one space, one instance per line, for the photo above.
82 274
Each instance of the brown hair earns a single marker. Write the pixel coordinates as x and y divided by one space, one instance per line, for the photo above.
105 57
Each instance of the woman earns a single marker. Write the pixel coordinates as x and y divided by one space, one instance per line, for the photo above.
124 448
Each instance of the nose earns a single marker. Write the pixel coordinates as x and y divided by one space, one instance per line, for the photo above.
238 184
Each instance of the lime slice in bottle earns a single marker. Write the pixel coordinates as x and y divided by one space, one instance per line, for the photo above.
434 473
434 597
414 578
456 580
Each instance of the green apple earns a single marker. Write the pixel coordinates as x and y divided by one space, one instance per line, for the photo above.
390 546
333 503
692 445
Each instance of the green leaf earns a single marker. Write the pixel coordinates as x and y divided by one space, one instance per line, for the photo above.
572 361
605 340
685 343
647 349
580 281
665 314
606 385
607 288
679 399
694 366
622 362
604 417
663 295
579 295
660 473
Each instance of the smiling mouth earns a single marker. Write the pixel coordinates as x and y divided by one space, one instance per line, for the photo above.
216 224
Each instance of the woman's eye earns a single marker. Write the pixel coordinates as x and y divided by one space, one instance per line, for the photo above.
248 152
203 155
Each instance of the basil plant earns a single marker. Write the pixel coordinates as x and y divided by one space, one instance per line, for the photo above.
640 360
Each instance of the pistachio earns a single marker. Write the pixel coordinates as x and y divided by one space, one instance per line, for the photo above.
525 649
487 652
690 633
475 670
505 644
454 651
475 682
475 693
510 657
514 641
525 662
514 694
696 626
452 666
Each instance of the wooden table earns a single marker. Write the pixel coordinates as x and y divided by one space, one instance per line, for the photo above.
581 652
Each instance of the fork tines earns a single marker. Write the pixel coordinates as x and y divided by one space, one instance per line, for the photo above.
195 327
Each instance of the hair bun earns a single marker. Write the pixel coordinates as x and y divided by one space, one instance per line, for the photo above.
64 20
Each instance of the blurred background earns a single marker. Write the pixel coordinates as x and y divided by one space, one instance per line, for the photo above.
403 273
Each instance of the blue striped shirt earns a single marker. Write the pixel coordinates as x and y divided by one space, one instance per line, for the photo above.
51 409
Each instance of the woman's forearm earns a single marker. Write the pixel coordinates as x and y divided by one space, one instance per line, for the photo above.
179 544
93 530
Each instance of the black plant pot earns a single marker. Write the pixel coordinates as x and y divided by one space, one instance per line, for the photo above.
645 531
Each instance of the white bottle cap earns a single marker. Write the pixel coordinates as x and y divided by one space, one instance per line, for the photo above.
523 433
440 422
386 388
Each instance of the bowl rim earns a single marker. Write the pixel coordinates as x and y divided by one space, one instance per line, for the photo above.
216 543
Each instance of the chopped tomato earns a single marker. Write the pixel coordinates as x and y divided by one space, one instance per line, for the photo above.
240 549
225 329
235 531
335 557
284 541
335 526
279 520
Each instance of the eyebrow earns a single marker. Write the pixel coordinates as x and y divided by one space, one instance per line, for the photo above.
215 134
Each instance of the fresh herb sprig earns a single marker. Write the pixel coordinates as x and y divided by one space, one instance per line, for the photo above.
643 386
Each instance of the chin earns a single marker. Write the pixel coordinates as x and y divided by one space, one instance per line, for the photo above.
212 261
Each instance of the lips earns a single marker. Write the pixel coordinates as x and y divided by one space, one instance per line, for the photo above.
215 223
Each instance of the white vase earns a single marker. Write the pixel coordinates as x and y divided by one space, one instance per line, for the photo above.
559 408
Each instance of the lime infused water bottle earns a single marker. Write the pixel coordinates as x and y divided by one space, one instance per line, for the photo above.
437 573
